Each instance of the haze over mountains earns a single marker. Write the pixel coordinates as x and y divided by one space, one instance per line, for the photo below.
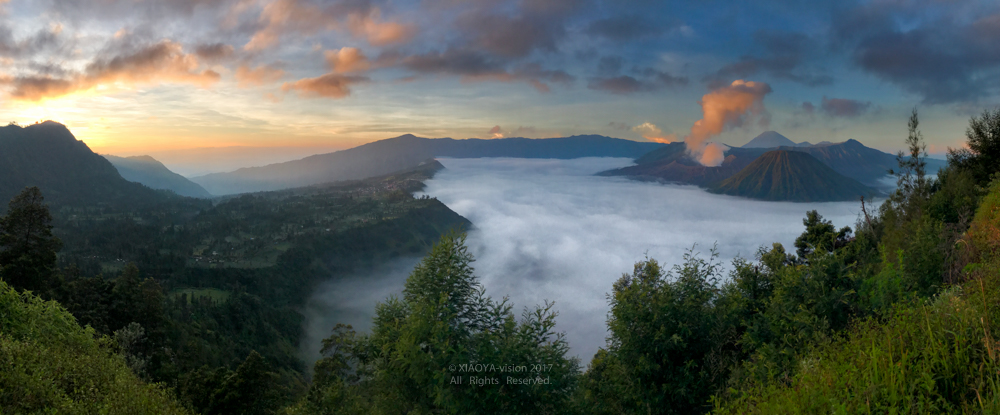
193 162
47 155
406 151
152 173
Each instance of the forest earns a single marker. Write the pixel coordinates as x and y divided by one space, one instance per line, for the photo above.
193 310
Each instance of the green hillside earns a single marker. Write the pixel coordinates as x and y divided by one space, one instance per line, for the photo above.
791 176
52 365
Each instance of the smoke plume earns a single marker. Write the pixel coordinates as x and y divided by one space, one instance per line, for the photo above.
653 133
724 108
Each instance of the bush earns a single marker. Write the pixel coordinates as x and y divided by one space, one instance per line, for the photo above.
52 365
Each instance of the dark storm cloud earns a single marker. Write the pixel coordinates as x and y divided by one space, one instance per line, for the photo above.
840 107
512 37
808 107
628 27
214 51
516 29
473 65
610 65
619 126
785 57
623 84
41 41
943 53
160 62
455 62
645 80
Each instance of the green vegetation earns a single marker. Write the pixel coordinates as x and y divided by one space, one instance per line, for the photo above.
217 329
791 176
896 314
423 346
52 365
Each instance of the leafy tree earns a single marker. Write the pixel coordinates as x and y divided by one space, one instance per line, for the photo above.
251 390
52 365
27 246
129 340
906 229
444 321
911 178
982 158
668 333
820 236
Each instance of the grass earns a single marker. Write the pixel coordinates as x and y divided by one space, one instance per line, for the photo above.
940 355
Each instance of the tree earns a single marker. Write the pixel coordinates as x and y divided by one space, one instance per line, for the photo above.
413 360
982 158
820 236
252 389
27 246
668 332
912 186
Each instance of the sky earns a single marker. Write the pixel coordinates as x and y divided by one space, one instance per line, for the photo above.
140 76
551 230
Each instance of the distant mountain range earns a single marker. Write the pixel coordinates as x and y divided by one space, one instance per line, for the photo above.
394 154
771 139
47 155
152 173
795 176
191 162
850 158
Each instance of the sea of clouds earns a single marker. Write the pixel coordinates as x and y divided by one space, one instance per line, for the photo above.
551 230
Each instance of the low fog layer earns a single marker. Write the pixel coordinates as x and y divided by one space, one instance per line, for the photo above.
550 230
350 300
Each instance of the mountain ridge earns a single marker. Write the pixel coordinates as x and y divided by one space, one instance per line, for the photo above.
795 176
49 156
150 172
850 158
405 151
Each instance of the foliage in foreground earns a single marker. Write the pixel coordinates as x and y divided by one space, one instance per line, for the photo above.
439 333
940 355
49 364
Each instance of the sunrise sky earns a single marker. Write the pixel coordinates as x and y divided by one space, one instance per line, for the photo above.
134 76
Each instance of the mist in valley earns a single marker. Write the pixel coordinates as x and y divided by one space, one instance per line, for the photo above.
550 230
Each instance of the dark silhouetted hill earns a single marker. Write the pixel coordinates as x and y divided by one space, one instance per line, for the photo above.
850 158
399 153
47 155
783 175
152 173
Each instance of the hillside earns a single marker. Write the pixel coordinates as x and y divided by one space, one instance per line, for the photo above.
849 158
784 175
47 155
672 164
394 154
152 173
